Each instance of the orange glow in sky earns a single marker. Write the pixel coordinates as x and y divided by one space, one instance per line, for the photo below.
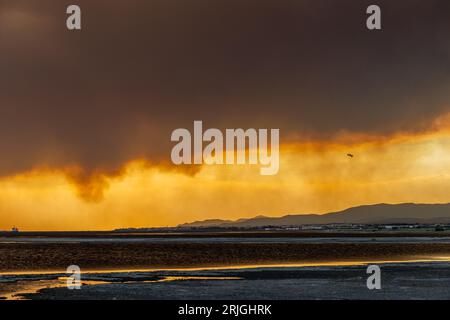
313 178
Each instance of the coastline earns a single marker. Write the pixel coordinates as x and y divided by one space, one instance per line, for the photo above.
230 267
400 280
118 255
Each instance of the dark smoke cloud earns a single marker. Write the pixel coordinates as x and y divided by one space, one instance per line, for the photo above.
139 69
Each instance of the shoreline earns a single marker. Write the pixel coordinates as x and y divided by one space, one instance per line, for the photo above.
342 263
400 280
244 268
114 255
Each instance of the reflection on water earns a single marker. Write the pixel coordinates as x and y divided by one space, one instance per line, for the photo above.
18 290
411 259
183 278
13 285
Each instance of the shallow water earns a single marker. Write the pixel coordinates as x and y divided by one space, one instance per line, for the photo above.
13 285
18 290
5 240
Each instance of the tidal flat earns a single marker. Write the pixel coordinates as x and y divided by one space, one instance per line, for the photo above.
225 267
403 281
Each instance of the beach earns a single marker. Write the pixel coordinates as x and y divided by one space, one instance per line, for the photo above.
225 267
21 254
404 281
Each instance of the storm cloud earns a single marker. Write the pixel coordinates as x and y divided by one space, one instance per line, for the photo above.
115 90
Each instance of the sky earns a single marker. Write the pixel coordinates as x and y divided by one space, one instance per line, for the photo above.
86 116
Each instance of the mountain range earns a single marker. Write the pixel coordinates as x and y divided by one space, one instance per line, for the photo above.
367 214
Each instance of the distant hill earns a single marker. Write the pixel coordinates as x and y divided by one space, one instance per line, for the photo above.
209 223
368 214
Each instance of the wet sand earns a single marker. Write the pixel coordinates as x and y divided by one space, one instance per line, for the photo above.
224 267
402 281
116 255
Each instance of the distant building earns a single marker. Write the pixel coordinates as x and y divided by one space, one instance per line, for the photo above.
15 230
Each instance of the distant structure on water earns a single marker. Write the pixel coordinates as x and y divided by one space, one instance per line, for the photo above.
15 230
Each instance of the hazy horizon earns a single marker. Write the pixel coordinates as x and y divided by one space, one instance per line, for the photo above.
249 217
87 115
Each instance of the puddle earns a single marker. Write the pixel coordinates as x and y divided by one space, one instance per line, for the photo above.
17 290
